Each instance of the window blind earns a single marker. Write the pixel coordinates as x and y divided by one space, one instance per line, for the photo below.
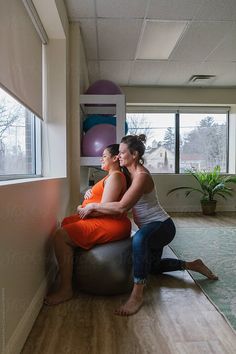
20 56
174 109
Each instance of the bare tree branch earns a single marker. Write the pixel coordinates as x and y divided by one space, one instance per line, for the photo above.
8 116
138 124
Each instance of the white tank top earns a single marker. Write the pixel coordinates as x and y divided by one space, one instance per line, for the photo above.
148 209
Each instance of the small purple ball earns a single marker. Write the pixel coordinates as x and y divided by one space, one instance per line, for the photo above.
104 87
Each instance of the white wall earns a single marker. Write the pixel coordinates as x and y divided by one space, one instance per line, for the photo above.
55 110
78 85
232 139
29 213
178 96
177 202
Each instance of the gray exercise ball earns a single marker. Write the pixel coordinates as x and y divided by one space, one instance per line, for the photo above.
104 269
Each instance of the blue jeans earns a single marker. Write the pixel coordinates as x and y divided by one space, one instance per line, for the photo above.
148 243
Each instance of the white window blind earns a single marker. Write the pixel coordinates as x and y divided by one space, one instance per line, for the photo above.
20 55
174 109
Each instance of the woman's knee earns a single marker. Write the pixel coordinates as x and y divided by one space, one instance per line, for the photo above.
144 233
169 230
61 235
139 240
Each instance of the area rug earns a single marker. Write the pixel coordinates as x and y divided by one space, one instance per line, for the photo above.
217 248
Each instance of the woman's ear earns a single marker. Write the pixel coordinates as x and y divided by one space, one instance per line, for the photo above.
135 155
116 158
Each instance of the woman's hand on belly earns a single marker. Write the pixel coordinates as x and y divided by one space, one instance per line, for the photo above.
86 211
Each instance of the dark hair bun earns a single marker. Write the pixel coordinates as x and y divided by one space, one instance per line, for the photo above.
142 137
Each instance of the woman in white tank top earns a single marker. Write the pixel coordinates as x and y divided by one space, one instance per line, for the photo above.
156 228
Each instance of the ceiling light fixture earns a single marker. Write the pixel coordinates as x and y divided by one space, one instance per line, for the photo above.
159 39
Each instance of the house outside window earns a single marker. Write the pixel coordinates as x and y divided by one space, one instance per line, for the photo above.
159 129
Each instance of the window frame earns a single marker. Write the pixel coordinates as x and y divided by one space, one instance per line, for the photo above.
36 147
177 110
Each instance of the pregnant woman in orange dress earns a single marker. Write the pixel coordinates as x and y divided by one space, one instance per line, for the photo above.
75 232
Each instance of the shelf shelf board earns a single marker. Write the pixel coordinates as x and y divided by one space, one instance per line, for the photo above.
90 161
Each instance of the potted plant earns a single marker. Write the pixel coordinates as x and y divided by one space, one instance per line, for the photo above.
211 184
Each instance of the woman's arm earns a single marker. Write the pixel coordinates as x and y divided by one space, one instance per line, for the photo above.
130 198
113 188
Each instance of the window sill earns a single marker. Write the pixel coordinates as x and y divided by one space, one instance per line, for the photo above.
27 180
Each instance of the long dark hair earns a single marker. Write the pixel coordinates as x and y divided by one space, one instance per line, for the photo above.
136 143
113 149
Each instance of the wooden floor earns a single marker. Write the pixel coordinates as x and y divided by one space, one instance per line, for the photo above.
176 318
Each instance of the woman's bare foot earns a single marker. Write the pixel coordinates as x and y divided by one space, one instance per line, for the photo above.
131 307
58 297
200 267
134 302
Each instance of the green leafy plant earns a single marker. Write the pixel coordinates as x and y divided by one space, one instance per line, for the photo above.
211 184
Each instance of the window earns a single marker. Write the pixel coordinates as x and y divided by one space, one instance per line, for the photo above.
20 140
203 141
184 138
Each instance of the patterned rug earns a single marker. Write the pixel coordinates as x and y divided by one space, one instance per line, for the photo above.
217 248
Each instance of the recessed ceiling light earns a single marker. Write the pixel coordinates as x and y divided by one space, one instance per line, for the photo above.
159 39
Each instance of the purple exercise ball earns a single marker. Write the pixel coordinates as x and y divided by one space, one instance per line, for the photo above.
97 139
104 87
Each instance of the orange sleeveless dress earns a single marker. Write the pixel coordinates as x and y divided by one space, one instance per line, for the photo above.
86 233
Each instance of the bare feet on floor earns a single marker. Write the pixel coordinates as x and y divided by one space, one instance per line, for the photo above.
131 307
200 267
58 297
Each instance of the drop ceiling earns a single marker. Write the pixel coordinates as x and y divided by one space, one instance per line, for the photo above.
112 31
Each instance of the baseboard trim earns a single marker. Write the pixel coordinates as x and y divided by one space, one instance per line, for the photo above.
19 336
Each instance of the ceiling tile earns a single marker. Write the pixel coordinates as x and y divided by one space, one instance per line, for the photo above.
118 38
146 72
217 10
226 51
88 32
173 9
178 73
80 8
215 68
121 8
116 71
225 72
200 39
93 70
